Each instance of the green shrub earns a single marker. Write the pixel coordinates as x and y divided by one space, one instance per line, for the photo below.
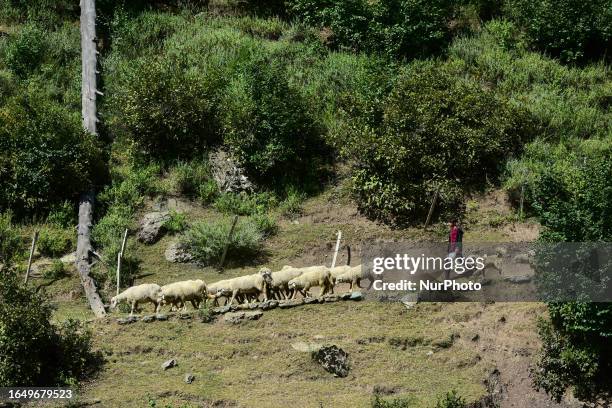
245 204
438 132
266 224
208 191
451 400
291 206
55 242
398 28
262 118
62 215
177 222
188 177
34 352
45 156
206 241
379 402
569 29
570 359
25 51
567 186
55 271
10 241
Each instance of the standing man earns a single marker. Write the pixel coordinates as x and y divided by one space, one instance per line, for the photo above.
455 239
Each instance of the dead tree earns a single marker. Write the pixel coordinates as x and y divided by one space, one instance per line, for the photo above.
88 101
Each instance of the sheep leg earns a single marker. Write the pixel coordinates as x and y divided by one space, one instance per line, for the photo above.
134 303
234 293
359 283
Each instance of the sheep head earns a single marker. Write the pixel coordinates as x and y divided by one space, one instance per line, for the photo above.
266 274
113 302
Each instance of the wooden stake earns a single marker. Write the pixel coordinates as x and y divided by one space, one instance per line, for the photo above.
433 206
522 201
34 240
229 239
119 258
337 248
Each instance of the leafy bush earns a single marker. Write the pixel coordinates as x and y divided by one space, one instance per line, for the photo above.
166 106
291 206
62 215
269 126
568 188
24 52
572 358
188 177
56 271
379 402
177 222
206 241
451 400
208 191
438 132
55 242
45 156
34 352
10 241
266 224
398 28
245 204
569 29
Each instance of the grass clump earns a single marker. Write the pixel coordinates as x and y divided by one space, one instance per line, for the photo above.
54 242
206 241
177 222
245 204
291 206
451 400
188 177
56 271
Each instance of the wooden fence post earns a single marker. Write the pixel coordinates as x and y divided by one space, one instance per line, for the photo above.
229 239
522 201
433 206
34 240
336 250
119 257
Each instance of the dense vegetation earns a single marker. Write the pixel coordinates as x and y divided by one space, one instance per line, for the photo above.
414 96
33 351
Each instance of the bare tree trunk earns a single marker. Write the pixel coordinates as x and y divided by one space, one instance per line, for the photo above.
83 254
89 65
88 95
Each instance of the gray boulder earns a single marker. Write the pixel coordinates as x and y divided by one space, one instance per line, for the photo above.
286 304
518 279
152 226
169 364
228 175
269 304
127 320
177 253
239 317
333 359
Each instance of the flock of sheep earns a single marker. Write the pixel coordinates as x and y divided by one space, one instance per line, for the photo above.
283 284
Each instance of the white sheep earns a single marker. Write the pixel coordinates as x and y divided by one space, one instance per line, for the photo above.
247 286
280 281
312 276
178 293
147 292
354 275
